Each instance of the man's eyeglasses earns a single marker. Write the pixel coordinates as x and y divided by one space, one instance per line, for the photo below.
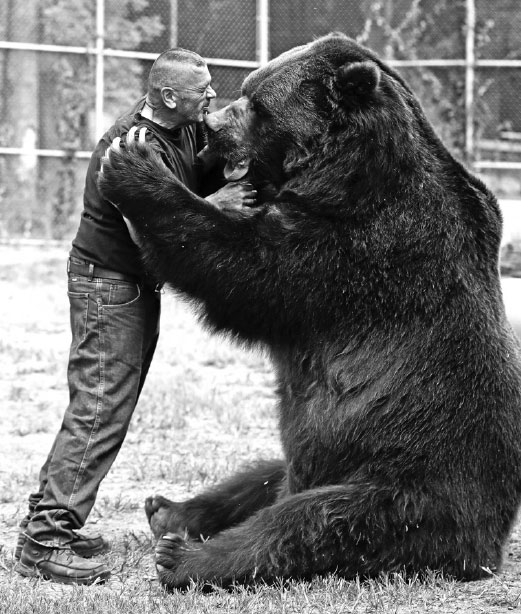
207 92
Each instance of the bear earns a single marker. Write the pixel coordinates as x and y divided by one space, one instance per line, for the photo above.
369 273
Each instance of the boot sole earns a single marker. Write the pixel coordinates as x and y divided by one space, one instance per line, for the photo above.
34 572
86 554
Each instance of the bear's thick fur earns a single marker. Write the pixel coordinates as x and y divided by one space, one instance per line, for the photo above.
370 273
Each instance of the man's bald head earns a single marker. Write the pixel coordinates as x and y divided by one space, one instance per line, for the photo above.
169 70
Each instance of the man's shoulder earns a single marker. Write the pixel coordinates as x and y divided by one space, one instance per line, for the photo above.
123 124
167 141
162 132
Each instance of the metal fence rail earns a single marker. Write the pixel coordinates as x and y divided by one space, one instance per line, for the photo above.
69 67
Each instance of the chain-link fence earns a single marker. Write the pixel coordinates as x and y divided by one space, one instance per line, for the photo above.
68 68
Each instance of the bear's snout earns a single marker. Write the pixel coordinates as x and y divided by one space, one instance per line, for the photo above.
216 120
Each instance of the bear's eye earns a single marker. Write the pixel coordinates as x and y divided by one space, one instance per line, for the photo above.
259 109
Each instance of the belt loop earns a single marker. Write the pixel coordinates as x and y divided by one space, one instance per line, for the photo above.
68 265
91 271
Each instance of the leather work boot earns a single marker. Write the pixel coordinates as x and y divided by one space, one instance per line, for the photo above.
59 564
86 546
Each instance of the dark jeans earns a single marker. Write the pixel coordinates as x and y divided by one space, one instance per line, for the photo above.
115 327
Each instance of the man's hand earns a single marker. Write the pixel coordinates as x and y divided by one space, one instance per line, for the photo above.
233 196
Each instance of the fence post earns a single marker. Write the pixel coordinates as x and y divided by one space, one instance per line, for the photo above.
470 60
173 23
100 68
263 31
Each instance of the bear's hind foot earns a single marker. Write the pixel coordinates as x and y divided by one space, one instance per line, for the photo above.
172 551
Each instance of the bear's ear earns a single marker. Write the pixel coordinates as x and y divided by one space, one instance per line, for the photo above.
358 78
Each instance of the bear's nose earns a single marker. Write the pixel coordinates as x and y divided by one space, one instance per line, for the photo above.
215 120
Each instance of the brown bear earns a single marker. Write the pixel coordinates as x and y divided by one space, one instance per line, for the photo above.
370 274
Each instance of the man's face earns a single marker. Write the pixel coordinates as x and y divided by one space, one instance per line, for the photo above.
192 92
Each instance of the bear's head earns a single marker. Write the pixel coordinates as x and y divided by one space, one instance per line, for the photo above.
332 110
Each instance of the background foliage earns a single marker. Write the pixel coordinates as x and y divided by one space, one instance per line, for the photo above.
47 99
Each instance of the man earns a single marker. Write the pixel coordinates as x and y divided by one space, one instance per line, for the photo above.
114 308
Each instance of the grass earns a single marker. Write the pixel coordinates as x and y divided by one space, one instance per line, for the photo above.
206 409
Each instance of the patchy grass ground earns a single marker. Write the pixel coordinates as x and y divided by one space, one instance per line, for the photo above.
206 409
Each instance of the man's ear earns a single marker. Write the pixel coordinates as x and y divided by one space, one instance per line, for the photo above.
358 79
168 97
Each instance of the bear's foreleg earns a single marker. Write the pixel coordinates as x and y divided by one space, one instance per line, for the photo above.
264 276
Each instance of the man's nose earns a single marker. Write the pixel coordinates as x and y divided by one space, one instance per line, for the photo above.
216 120
210 92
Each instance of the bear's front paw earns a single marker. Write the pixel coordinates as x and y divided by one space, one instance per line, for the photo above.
165 516
172 553
126 168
